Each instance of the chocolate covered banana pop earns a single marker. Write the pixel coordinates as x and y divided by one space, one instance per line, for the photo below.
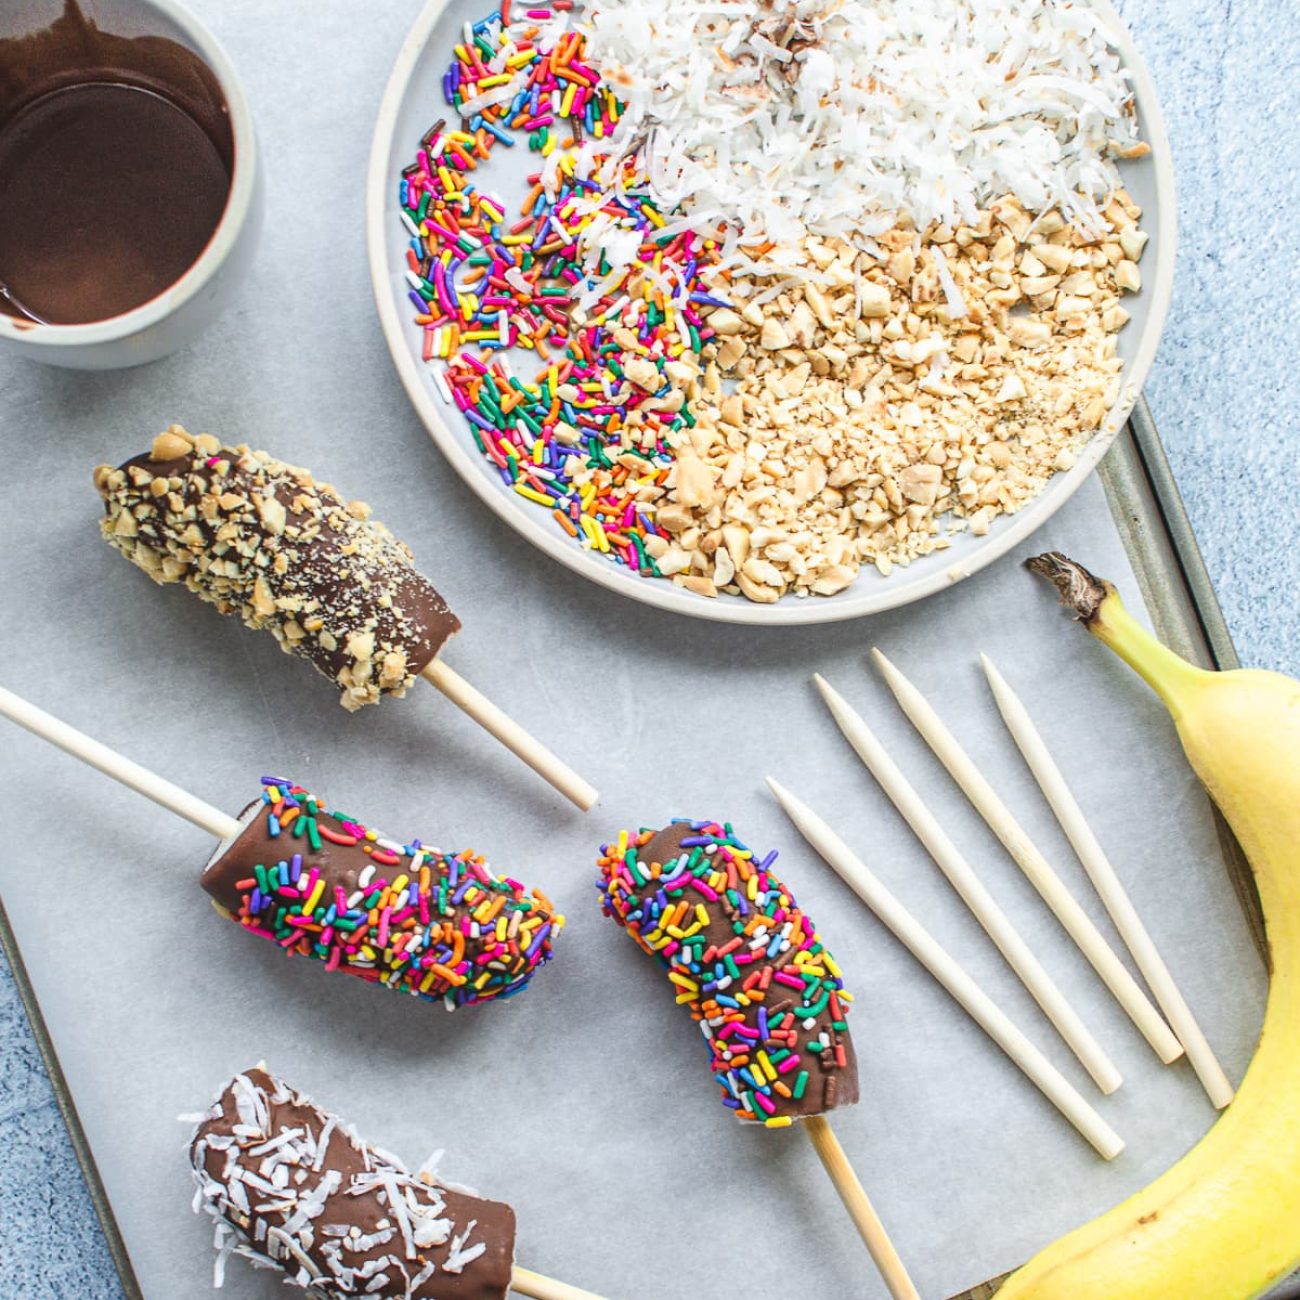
261 539
749 964
264 540
745 960
320 884
293 1187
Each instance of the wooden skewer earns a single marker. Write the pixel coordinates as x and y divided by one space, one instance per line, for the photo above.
510 733
1077 923
860 1209
973 893
526 1282
931 954
1109 887
116 765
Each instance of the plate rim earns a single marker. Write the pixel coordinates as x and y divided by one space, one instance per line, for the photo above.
789 610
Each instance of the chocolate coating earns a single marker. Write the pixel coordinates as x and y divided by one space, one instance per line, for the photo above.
319 884
295 1187
116 154
115 159
747 962
74 50
262 539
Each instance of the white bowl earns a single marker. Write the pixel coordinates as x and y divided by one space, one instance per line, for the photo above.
181 312
413 101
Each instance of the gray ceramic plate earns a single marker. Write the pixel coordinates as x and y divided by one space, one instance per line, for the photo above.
413 101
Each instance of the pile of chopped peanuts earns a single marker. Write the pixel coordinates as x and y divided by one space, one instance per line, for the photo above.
891 395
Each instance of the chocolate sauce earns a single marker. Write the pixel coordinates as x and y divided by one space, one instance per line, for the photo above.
108 194
116 157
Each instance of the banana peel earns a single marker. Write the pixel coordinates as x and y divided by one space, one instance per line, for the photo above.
1224 1222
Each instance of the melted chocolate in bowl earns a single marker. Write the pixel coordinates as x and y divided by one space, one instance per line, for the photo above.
116 157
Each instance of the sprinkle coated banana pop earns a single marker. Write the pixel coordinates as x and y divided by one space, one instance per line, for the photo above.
319 884
746 961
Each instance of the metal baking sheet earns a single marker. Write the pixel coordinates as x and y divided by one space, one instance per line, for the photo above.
587 1101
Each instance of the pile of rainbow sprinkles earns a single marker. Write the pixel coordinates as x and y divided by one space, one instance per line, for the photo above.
589 275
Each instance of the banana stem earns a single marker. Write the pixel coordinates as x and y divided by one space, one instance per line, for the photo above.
1097 605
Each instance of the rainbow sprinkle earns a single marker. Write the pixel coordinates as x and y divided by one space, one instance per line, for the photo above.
748 964
590 278
436 925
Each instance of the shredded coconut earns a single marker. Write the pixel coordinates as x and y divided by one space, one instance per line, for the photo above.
825 116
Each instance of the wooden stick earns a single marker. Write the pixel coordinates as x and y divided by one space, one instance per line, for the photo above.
860 1209
526 1282
510 734
1109 887
1078 925
973 893
113 764
931 954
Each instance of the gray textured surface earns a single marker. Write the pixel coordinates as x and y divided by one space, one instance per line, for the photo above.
1222 395
1223 390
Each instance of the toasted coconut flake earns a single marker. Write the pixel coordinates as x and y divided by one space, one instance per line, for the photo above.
819 115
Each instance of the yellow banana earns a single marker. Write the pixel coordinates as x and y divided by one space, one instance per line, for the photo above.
1224 1222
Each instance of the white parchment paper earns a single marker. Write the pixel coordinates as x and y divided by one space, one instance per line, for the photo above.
587 1101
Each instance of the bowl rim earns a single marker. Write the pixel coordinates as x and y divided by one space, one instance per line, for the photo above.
789 610
127 324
